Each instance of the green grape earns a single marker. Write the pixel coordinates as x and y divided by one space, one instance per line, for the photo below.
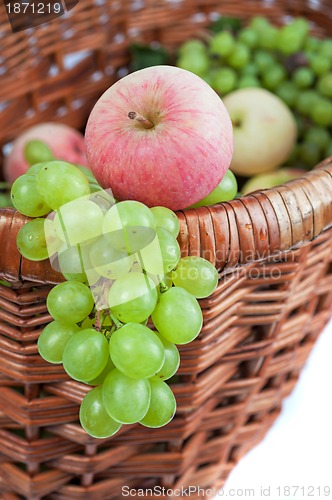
320 64
222 44
268 38
264 61
54 243
87 323
53 339
128 213
94 418
239 56
60 182
274 77
129 226
136 351
192 47
319 136
309 154
249 37
73 263
326 48
35 169
108 261
26 199
287 92
288 42
306 55
197 63
312 43
79 221
85 355
70 302
302 25
324 85
36 151
321 113
248 81
259 24
101 377
250 69
172 360
306 100
133 297
196 275
303 77
225 191
292 37
126 399
178 316
162 405
31 241
166 218
169 248
223 80
162 255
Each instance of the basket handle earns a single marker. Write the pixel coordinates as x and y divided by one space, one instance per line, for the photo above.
251 228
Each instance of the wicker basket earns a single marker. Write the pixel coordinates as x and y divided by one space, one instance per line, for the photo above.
273 250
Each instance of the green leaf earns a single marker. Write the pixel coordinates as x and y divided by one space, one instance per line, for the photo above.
144 56
5 200
233 24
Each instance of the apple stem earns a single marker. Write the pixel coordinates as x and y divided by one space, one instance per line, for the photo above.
140 119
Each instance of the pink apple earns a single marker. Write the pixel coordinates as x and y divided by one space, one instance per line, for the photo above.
161 136
65 143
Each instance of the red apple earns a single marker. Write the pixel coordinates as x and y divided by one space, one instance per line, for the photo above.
65 143
161 136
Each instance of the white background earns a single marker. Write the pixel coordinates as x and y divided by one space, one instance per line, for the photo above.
297 451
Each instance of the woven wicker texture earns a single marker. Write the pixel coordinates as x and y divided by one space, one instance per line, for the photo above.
273 250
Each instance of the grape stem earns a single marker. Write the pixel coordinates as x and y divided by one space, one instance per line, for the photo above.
108 332
163 287
99 320
118 324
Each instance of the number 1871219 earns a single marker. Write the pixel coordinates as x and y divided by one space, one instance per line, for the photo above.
33 8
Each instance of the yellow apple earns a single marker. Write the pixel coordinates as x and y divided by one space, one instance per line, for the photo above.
264 130
271 179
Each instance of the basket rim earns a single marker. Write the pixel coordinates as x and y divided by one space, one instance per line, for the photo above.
248 229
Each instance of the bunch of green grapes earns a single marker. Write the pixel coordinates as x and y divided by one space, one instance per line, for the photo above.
285 60
122 265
